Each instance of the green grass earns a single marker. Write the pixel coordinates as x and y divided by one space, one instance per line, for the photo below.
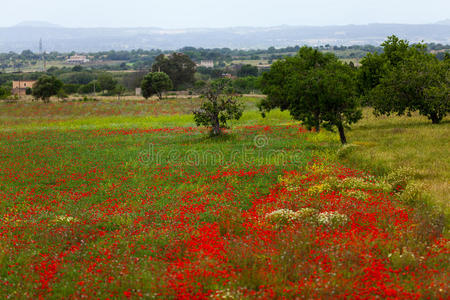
161 121
64 183
110 113
383 144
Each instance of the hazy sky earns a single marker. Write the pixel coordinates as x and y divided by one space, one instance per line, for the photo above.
225 13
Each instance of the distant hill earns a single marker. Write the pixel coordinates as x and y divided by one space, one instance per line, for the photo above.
56 38
444 22
37 24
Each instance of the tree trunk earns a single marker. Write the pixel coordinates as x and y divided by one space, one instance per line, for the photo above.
435 118
317 117
342 134
216 126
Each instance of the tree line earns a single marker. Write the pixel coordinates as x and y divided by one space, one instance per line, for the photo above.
314 86
323 92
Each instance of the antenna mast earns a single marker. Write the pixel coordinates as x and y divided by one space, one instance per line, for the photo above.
41 52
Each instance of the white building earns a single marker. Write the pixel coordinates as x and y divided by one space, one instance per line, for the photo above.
206 64
77 59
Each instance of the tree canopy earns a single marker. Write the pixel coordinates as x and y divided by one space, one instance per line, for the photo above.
220 105
247 70
316 88
155 83
46 86
405 78
106 82
178 66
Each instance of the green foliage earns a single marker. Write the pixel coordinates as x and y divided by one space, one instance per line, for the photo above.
402 259
418 83
77 69
88 88
119 90
399 178
155 83
178 66
220 105
412 194
77 77
199 85
106 82
395 50
46 86
71 88
373 67
277 83
4 92
405 78
62 94
247 70
246 85
316 88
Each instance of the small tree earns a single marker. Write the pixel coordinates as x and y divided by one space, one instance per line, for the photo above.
155 83
119 90
220 105
4 92
106 82
45 87
61 94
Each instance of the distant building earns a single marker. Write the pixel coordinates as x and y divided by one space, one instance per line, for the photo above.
206 64
228 75
20 87
264 67
77 59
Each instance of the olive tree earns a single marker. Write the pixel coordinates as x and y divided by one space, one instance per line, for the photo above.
220 105
316 88
155 83
419 82
45 87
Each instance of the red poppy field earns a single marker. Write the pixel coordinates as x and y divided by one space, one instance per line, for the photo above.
168 213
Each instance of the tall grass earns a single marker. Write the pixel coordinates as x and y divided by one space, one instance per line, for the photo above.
383 144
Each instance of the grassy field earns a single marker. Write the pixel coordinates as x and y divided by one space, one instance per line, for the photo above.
129 199
383 144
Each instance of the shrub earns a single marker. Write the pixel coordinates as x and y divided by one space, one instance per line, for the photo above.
332 219
399 178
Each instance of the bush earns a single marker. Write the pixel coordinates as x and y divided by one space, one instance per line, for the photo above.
399 178
4 93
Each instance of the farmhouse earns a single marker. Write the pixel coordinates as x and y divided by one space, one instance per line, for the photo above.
77 59
206 64
20 87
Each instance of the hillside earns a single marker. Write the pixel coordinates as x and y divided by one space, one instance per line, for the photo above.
26 36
